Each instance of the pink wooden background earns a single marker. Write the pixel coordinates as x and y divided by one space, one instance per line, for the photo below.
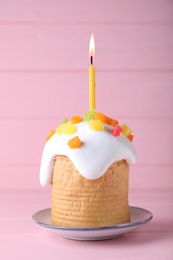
44 78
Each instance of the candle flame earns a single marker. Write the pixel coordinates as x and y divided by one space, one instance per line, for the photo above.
92 46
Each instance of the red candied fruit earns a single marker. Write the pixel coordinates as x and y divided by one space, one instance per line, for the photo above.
116 130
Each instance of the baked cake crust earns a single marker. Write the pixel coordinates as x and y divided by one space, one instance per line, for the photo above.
80 202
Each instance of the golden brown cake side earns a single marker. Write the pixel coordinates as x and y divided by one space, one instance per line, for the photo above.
77 201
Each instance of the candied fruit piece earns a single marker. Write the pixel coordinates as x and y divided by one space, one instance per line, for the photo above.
99 116
69 128
96 125
52 132
60 128
111 121
130 137
64 121
89 115
74 142
116 130
76 119
126 130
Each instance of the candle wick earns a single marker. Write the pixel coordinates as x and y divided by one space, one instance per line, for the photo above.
91 60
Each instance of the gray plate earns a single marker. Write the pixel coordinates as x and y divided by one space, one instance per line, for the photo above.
139 217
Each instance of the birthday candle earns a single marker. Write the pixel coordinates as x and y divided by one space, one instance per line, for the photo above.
92 83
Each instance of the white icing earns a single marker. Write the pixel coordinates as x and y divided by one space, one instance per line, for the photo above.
98 151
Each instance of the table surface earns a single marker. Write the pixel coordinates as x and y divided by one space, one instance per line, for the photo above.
21 238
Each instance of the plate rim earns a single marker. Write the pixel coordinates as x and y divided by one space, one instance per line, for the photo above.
94 228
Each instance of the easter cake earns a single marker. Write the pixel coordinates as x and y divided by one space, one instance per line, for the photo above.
86 161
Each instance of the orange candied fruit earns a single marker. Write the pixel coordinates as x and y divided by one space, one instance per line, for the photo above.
76 119
111 121
52 132
99 116
74 142
130 137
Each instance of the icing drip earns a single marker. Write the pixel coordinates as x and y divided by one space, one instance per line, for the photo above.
98 151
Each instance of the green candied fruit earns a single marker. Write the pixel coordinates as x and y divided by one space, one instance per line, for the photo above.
64 121
89 115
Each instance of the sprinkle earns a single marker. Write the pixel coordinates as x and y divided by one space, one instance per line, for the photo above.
96 125
52 132
126 130
111 121
76 119
99 116
69 128
116 130
64 121
130 137
60 128
89 115
74 142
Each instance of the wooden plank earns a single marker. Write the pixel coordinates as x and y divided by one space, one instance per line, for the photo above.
151 177
86 11
59 95
22 141
153 142
20 178
65 47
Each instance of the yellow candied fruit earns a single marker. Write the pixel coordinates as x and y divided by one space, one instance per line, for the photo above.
96 125
74 142
69 128
60 128
76 119
52 132
126 130
99 116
